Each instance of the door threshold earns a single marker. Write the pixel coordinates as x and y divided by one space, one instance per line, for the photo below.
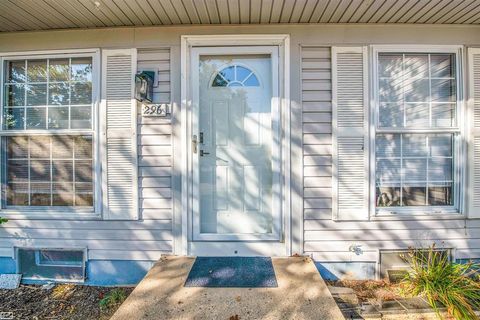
244 249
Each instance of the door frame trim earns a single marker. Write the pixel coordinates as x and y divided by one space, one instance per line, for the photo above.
181 218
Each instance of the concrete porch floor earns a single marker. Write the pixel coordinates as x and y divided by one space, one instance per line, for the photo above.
301 294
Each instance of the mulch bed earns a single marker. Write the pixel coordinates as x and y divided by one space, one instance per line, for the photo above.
63 301
368 290
379 300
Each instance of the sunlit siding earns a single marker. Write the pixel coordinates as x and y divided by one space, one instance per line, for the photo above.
145 239
328 240
324 239
317 132
155 141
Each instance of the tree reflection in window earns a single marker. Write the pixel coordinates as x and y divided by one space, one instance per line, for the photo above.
235 76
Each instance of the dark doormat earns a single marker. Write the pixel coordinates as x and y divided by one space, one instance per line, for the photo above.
233 272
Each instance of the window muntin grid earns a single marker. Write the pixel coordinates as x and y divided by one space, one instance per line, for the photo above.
49 170
235 76
57 96
414 169
416 92
51 93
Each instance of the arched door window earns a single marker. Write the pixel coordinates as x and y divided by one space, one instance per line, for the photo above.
235 76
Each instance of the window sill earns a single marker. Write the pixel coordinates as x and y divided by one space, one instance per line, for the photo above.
417 214
49 213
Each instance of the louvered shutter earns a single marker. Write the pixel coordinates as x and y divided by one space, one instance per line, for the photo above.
474 136
350 133
120 182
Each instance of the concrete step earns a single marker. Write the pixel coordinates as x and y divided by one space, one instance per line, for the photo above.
301 294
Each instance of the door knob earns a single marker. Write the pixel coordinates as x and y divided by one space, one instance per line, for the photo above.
202 153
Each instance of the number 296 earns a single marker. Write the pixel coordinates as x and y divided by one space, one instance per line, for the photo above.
154 110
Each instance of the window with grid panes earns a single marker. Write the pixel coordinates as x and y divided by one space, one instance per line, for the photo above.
416 130
48 125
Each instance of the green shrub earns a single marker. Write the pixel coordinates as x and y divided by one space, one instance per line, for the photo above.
443 283
3 220
113 298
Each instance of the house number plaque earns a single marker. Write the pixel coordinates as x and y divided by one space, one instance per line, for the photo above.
155 110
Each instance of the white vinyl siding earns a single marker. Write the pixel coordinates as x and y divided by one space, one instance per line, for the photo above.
327 240
317 132
145 239
155 140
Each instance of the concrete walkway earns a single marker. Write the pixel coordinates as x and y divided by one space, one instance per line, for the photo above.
301 294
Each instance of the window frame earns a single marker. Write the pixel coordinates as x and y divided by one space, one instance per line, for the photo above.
60 212
85 259
459 152
57 263
235 65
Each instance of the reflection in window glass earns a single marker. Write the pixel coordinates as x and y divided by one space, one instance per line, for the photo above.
36 94
36 118
34 88
16 72
58 118
37 70
59 258
81 69
81 93
58 94
59 70
14 118
414 169
442 65
81 117
15 95
51 264
50 171
416 91
235 76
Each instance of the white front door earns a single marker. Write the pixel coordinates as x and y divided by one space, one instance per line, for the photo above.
235 152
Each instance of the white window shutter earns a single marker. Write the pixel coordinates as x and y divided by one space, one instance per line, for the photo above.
119 131
474 136
350 133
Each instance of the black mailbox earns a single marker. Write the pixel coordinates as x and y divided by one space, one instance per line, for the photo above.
144 86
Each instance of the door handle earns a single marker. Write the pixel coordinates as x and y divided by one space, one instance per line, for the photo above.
194 143
202 153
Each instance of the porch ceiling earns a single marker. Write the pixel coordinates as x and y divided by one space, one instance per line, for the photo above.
21 15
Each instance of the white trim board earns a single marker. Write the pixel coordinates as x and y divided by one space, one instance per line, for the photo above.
187 42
